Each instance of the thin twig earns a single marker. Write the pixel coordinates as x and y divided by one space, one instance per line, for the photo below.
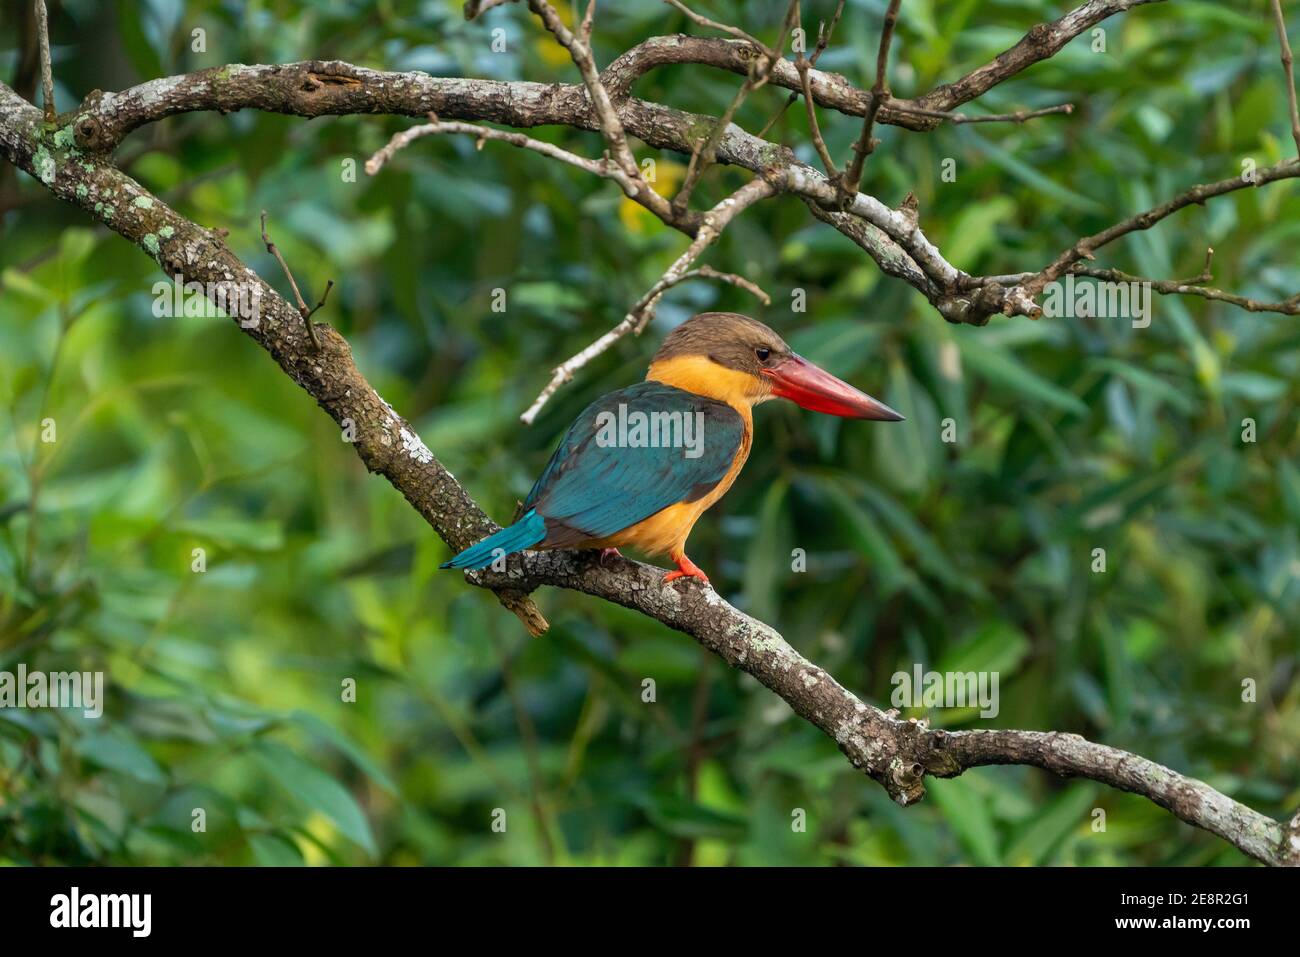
712 225
1193 286
1019 116
1288 69
1196 195
824 33
879 94
726 28
803 64
303 309
47 70
602 167
760 71
607 117
474 7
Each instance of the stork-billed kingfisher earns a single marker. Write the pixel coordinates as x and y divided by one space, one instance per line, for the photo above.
642 464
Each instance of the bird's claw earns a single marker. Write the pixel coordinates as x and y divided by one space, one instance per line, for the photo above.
609 553
685 569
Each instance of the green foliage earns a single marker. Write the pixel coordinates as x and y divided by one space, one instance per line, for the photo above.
225 688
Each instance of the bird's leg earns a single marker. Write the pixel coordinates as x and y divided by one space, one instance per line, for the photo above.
607 553
685 569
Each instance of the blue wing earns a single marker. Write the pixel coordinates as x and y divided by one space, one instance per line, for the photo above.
594 487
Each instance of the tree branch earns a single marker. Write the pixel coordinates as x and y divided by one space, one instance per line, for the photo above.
1195 286
833 91
47 71
1196 195
803 64
1042 42
315 88
1288 71
1019 116
384 440
602 167
474 7
705 152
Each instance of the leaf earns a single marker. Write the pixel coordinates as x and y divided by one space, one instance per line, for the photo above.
1147 383
316 790
326 732
975 229
967 813
1050 825
117 750
1041 183
1288 480
996 646
862 530
902 453
682 818
1006 371
275 850
769 554
255 535
929 555
18 281
1253 386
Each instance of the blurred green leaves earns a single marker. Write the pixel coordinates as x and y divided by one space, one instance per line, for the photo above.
874 547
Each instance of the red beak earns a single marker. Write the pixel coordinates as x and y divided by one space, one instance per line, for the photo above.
815 389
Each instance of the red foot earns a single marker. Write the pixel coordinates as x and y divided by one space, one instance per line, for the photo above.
685 569
607 553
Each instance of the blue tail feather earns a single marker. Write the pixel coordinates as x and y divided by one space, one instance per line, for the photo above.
528 531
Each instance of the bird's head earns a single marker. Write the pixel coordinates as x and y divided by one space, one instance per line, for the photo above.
739 360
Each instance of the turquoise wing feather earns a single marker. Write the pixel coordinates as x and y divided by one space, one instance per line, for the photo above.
606 475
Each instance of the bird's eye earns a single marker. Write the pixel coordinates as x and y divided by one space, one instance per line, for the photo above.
762 353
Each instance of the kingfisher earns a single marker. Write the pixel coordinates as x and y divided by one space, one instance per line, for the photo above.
640 465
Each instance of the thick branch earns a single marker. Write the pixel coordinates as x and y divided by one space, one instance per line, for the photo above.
315 88
830 90
833 91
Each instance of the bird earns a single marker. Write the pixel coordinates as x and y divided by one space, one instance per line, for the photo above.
640 465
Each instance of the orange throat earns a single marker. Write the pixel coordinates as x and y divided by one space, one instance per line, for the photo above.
702 376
